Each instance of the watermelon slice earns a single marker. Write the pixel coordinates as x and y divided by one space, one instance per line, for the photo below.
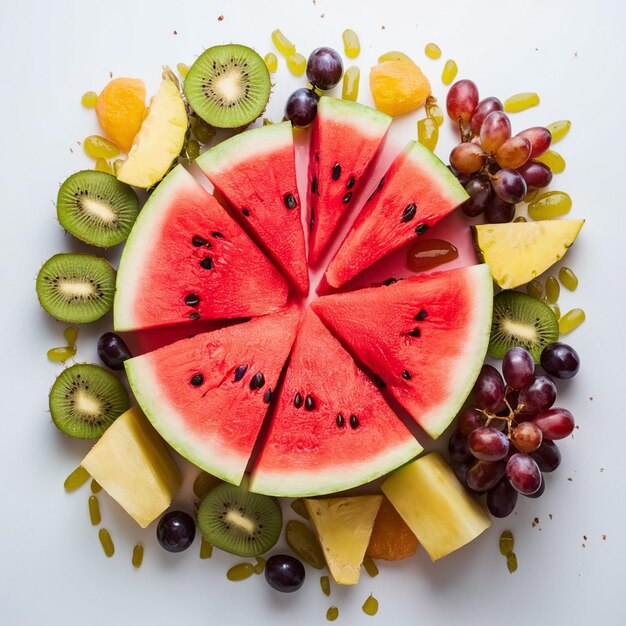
346 136
416 192
186 259
207 396
255 171
426 337
331 428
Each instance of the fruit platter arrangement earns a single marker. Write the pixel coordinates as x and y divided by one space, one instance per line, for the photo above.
286 374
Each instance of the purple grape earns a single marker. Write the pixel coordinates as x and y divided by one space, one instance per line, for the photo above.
284 573
523 473
539 395
468 420
483 475
457 446
482 110
479 190
518 368
301 107
488 444
460 176
489 389
461 469
539 491
324 68
560 360
113 351
555 423
547 456
536 174
498 211
509 185
176 531
501 500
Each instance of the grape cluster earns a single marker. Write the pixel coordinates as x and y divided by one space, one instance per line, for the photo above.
505 440
496 169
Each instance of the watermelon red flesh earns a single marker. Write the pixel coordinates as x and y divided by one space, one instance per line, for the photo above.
306 452
215 423
256 171
160 275
346 136
425 336
416 192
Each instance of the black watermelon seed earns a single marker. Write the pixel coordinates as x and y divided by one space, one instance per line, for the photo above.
240 372
197 380
421 229
340 421
290 201
336 171
347 197
309 403
354 421
207 263
414 333
380 184
314 185
245 212
257 381
312 222
192 299
421 315
409 213
406 375
297 400
267 396
378 381
390 281
216 233
317 156
350 182
198 241
194 316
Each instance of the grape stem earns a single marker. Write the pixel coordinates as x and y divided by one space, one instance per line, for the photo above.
509 419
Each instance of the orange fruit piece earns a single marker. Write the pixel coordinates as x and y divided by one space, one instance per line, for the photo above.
391 538
121 109
398 86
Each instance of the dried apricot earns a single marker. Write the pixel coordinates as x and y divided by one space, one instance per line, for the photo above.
121 109
391 538
398 86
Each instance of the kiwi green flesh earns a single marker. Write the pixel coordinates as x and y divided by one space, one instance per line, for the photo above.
521 320
239 522
85 400
228 86
97 208
76 288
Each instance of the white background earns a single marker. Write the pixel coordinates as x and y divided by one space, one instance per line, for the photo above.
52 569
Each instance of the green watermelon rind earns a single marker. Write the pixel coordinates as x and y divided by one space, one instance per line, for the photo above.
366 120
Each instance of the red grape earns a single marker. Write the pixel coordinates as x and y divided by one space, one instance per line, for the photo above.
301 107
555 423
539 491
324 68
539 395
457 446
489 389
560 360
513 153
539 138
469 420
536 174
462 100
523 473
518 368
467 158
483 475
498 211
509 185
495 130
479 190
488 444
547 456
526 437
461 469
501 500
482 110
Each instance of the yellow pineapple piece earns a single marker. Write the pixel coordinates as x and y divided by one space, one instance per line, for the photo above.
435 506
131 463
343 527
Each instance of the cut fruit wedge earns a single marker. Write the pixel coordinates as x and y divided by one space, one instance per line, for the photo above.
159 140
520 251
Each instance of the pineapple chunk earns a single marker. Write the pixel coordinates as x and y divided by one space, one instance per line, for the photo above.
435 506
520 251
131 463
344 526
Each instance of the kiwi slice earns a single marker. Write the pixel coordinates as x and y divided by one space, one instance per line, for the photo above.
85 399
521 320
228 86
76 288
239 522
97 208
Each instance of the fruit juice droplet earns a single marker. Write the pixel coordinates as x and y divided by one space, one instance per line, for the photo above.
241 571
521 102
432 51
325 585
76 479
99 147
350 84
95 487
206 549
332 614
137 556
102 165
106 541
555 309
449 72
428 133
283 45
535 289
553 160
571 320
370 606
60 355
511 562
296 63
568 279
71 335
370 567
553 289
94 511
550 205
89 99
271 62
507 543
183 69
351 43
259 568
428 253
559 129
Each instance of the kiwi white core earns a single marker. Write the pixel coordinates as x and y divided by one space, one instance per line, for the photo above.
229 85
73 288
234 518
522 331
99 210
87 405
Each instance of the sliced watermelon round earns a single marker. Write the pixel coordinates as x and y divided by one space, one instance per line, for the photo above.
426 337
186 259
207 396
255 171
331 428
